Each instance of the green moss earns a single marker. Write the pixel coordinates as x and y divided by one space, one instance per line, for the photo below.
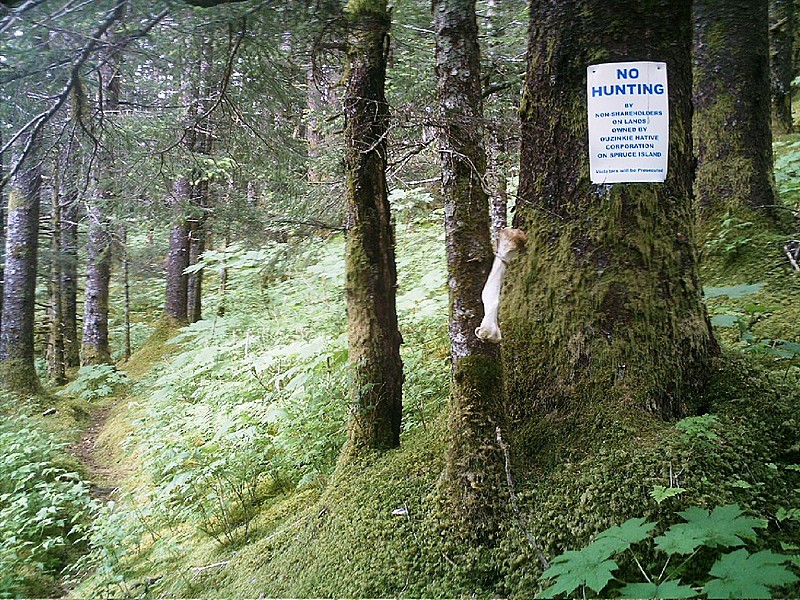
381 528
154 350
362 7
18 375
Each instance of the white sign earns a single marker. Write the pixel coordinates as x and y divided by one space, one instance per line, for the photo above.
628 122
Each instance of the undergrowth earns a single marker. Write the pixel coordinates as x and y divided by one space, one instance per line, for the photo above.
236 436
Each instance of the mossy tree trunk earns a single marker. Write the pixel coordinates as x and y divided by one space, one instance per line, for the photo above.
68 245
94 344
17 370
604 314
732 123
474 473
56 363
370 270
781 41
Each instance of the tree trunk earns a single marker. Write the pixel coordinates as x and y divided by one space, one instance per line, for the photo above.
198 141
498 186
94 346
604 315
474 474
69 275
781 41
370 271
56 365
496 134
175 305
3 205
126 280
17 370
194 283
732 131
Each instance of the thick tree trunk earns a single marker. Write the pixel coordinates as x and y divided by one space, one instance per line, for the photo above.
781 41
69 276
370 271
732 130
17 370
474 474
604 315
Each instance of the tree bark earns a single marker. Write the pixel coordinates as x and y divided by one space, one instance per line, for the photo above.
498 185
474 475
781 41
175 305
56 364
69 275
94 345
126 280
17 369
197 245
604 315
370 271
732 129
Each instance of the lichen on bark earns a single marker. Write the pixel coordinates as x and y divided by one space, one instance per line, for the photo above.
370 271
604 315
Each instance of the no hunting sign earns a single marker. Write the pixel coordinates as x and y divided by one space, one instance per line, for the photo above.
628 122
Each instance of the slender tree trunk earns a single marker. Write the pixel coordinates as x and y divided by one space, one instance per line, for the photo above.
498 185
604 314
781 41
17 369
732 131
69 275
474 474
200 143
175 306
3 206
370 271
56 364
197 245
223 279
94 346
496 136
126 276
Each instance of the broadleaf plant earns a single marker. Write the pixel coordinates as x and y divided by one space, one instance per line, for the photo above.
737 574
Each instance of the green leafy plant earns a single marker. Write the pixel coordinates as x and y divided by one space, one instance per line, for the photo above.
95 381
736 574
45 508
730 237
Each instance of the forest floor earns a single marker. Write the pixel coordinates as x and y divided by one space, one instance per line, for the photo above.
103 475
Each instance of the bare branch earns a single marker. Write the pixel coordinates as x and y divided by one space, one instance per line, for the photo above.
38 122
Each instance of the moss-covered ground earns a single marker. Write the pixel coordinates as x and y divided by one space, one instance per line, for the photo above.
214 459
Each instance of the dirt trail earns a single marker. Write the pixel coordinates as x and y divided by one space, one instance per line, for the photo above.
102 476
